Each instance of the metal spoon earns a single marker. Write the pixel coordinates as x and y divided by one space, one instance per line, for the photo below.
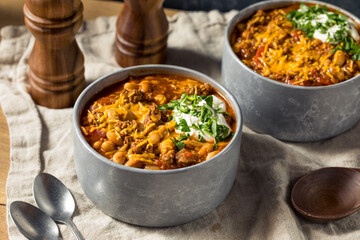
33 223
55 199
327 194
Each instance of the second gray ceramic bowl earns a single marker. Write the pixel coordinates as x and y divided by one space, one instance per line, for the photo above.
154 198
288 112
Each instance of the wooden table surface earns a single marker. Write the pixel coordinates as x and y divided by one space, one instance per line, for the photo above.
11 14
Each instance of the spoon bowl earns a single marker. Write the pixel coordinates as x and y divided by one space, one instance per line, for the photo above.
327 194
52 196
32 222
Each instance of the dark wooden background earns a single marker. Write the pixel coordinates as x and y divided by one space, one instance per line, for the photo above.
352 6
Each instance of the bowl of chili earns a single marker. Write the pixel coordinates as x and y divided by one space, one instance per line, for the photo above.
135 158
294 68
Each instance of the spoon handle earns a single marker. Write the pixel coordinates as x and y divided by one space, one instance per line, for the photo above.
73 228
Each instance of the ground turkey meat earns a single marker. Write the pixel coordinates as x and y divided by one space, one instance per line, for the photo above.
167 153
186 157
127 140
155 116
125 124
134 95
168 157
205 89
228 118
94 117
136 148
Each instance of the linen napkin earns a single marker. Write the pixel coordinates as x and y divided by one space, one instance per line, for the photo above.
258 206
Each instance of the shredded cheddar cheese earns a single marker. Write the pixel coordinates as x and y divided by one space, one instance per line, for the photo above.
269 44
126 124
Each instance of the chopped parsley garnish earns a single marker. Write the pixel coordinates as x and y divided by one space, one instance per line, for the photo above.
319 21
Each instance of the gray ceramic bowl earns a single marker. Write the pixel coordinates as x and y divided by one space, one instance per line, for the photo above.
147 197
288 112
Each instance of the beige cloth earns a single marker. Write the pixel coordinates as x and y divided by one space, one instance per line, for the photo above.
258 206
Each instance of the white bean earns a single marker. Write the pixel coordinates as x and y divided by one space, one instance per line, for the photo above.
130 86
107 146
114 138
154 137
119 157
212 154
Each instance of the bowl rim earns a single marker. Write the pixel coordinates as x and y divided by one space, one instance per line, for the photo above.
165 68
239 17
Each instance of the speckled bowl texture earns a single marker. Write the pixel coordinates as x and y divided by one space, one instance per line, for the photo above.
154 198
287 112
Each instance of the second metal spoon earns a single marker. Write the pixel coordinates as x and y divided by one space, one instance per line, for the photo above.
52 196
33 223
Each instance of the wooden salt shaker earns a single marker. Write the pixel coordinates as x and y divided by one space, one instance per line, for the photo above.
56 64
141 33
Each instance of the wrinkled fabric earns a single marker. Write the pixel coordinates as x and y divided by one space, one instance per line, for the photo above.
258 206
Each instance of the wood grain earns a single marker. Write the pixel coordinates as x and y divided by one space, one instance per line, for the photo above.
141 33
56 64
327 194
4 168
11 13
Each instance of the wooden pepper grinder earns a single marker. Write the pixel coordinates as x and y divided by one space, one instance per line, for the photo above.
56 64
141 33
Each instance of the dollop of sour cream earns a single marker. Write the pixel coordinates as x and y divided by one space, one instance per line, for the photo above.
217 108
323 19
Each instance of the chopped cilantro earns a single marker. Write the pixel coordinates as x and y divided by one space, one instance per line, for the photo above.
214 127
194 106
161 107
349 45
183 137
305 18
302 19
201 138
209 100
219 110
183 126
195 126
184 109
179 144
206 113
222 133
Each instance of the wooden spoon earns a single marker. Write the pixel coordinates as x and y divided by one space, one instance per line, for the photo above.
327 194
